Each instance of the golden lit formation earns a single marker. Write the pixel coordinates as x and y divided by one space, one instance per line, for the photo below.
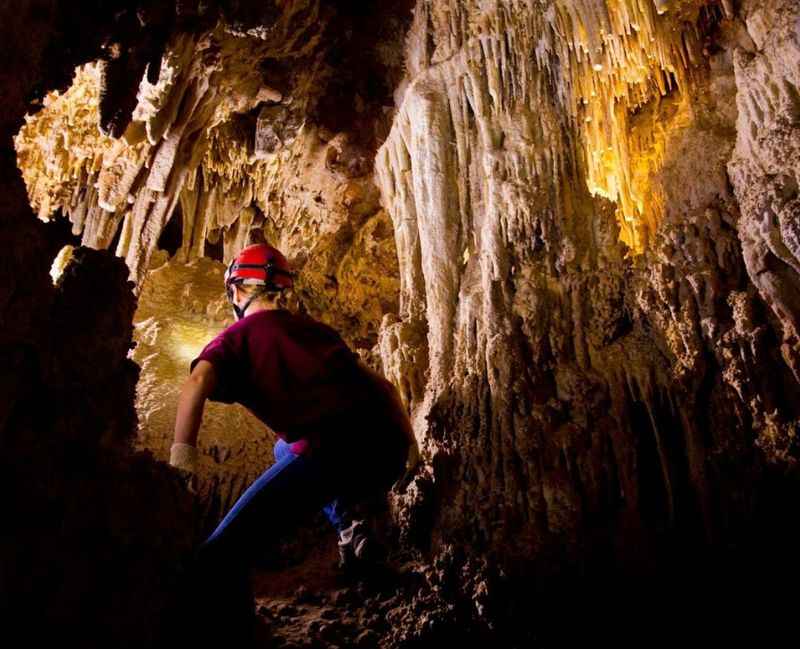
623 54
60 262
60 148
607 60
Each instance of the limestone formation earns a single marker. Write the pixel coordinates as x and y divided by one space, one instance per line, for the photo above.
765 167
546 368
567 230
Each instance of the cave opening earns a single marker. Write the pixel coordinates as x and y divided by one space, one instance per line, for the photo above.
171 236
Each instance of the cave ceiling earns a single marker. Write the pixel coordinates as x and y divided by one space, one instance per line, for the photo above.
247 100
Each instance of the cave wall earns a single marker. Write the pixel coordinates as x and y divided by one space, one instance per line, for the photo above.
590 315
765 165
92 529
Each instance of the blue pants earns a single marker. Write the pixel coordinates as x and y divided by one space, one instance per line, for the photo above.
287 494
296 486
288 491
336 511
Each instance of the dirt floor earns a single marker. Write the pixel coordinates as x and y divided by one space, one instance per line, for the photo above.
317 605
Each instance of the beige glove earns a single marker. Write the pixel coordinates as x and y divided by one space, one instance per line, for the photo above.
183 456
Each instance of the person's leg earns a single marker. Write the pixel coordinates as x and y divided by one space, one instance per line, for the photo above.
369 464
286 492
339 514
281 450
352 534
336 511
289 491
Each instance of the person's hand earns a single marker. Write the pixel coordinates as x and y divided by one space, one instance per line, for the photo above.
184 458
412 464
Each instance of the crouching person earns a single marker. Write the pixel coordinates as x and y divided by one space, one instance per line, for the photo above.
344 434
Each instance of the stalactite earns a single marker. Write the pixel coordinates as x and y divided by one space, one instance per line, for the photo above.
537 297
60 149
140 177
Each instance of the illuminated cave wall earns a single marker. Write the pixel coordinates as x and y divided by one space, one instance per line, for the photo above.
588 211
596 325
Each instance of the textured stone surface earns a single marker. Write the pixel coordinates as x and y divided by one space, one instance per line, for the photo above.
95 530
593 206
547 369
765 167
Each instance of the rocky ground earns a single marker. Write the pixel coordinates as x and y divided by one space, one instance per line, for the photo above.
326 608
396 604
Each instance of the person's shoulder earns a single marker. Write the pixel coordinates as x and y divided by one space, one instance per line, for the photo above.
263 326
306 319
311 321
284 320
236 331
292 319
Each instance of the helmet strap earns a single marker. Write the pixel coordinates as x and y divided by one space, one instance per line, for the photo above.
239 311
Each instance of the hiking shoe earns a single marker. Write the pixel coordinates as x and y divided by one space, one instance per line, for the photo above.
357 546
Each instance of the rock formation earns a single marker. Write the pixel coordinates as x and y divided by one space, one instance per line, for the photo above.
566 230
229 160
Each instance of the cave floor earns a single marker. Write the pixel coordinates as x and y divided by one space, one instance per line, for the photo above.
316 606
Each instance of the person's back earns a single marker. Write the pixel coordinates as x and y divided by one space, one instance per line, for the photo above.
299 377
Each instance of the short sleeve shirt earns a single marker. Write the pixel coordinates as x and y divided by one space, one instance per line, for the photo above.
289 370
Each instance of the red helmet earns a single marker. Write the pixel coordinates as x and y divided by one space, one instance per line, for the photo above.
259 264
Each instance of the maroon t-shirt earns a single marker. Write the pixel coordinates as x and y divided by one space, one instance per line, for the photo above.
289 370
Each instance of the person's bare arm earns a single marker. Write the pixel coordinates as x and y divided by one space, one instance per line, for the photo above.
194 393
